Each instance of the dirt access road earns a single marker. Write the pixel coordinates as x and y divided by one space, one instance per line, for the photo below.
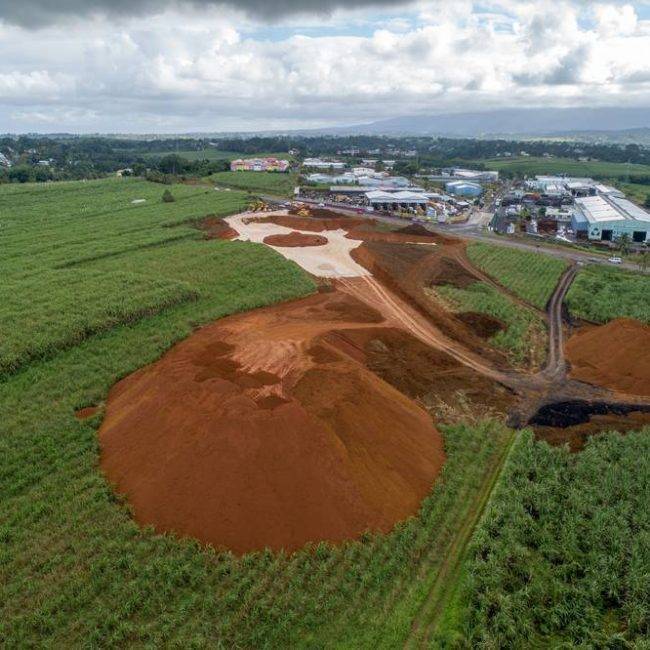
335 261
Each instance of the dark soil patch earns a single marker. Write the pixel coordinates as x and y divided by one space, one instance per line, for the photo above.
271 402
313 224
419 230
481 324
449 271
574 422
417 370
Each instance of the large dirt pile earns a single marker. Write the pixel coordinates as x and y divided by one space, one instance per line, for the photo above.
256 432
295 239
615 356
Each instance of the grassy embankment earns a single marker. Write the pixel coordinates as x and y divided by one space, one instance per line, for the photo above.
257 182
524 336
601 293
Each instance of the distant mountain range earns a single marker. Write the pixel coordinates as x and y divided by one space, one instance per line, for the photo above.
512 122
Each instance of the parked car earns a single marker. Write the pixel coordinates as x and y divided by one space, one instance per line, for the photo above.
615 260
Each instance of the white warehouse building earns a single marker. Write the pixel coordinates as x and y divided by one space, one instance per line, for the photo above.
606 218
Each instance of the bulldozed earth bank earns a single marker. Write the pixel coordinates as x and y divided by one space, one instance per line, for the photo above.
267 429
315 420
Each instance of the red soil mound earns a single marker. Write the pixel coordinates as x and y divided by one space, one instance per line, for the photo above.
217 228
311 224
615 356
411 234
256 432
295 239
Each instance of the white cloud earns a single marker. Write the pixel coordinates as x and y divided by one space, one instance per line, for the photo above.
196 70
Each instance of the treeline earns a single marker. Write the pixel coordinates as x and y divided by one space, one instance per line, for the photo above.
71 158
164 170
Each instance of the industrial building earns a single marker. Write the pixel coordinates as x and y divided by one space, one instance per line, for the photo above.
390 201
464 188
571 186
317 163
259 165
606 218
475 175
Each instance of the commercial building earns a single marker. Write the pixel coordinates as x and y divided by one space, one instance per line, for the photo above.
464 188
607 217
259 165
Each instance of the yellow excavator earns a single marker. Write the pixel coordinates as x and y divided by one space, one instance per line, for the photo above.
258 206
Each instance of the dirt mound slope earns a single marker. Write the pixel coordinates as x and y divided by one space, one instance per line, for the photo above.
418 370
317 213
256 432
216 228
419 230
411 234
295 239
614 356
313 224
411 270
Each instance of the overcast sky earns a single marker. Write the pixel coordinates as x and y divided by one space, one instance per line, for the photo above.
204 65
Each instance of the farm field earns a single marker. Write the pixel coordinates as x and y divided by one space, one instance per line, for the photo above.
181 348
531 276
636 192
531 166
269 182
560 557
600 294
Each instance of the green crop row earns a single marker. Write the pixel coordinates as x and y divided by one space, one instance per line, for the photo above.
531 276
561 558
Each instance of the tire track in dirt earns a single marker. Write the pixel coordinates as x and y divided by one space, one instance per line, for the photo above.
398 311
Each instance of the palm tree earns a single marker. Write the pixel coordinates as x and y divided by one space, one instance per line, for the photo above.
624 244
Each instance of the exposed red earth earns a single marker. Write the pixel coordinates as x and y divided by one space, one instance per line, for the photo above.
312 420
615 355
295 239
258 432
217 228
